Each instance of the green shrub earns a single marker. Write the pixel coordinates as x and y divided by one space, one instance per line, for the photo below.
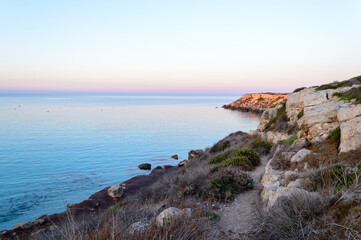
220 147
243 157
290 141
337 94
281 114
118 205
298 89
226 183
336 135
262 146
220 157
325 87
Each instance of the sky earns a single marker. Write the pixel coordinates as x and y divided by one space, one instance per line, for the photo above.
177 47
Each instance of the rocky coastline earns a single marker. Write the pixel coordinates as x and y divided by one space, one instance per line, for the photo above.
298 176
257 102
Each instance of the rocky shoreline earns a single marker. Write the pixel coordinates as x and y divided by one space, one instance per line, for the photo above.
297 176
257 102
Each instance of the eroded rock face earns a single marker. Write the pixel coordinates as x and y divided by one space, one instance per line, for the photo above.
115 191
267 116
276 137
257 101
348 112
172 214
350 135
320 120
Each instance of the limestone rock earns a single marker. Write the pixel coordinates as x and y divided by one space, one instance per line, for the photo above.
300 143
115 191
315 98
349 112
267 116
350 135
293 192
145 166
276 137
300 155
172 214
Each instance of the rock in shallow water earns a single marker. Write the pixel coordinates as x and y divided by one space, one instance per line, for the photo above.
145 166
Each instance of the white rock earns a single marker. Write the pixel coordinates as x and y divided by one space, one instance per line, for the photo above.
349 112
350 135
298 183
115 191
276 137
315 98
172 214
295 192
300 155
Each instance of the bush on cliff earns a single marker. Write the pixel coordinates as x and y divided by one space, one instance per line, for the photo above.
263 147
245 158
226 183
220 146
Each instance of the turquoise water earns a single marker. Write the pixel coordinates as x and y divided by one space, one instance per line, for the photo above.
56 150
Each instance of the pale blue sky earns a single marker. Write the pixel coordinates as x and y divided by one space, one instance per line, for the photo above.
207 47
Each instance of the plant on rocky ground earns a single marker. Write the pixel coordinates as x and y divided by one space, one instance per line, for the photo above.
263 147
246 158
298 89
226 183
353 93
218 147
291 140
336 135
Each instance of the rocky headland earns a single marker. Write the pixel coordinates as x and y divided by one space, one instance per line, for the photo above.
298 176
257 102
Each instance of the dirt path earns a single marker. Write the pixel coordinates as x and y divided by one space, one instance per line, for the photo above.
238 215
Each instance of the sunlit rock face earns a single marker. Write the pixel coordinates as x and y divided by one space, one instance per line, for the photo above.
257 101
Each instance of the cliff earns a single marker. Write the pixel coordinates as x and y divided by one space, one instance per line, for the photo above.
257 102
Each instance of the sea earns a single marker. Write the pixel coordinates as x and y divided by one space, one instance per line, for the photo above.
61 148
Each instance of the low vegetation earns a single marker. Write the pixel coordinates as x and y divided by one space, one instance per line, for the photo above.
262 147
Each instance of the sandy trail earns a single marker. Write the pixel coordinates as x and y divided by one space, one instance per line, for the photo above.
238 215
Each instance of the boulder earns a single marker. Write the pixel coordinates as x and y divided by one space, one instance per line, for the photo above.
138 227
298 183
300 155
183 163
172 214
318 121
296 193
145 166
276 137
175 157
300 143
315 98
349 112
294 106
27 225
267 116
194 153
115 191
350 135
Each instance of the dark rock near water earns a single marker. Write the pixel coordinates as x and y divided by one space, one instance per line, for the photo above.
175 156
158 167
145 166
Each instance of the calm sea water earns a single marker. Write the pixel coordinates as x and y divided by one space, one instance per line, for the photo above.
56 150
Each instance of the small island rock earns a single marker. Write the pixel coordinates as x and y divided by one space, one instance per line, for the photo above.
145 166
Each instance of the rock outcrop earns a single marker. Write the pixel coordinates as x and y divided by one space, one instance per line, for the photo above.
257 102
172 214
314 114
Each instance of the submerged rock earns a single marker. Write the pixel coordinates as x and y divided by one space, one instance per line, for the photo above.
145 166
